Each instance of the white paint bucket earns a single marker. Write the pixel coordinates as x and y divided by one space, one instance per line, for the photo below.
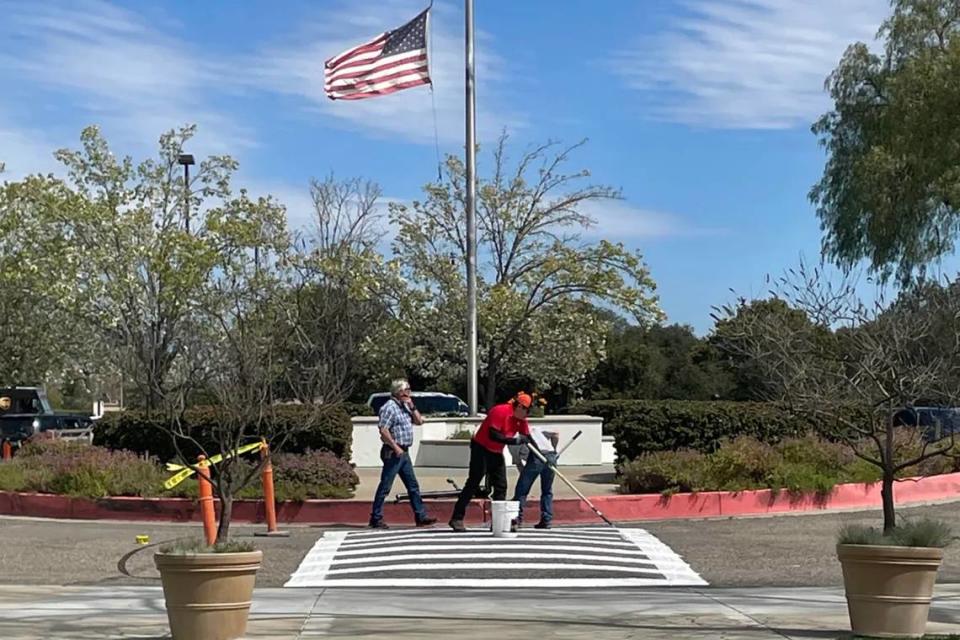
502 513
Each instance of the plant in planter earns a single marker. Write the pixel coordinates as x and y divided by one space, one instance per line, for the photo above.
889 577
852 369
233 354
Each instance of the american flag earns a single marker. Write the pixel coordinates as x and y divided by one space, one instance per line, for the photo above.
390 62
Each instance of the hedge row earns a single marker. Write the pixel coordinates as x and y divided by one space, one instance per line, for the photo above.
358 409
642 426
807 464
74 469
312 428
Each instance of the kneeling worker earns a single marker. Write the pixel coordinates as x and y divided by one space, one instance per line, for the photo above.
505 424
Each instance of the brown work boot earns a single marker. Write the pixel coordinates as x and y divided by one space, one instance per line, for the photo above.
457 525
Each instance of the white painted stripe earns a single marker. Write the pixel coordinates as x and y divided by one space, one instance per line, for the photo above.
501 583
512 566
665 558
645 555
607 531
486 540
317 560
382 550
380 562
484 533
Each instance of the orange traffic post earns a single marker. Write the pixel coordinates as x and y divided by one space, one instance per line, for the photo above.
7 450
269 499
206 500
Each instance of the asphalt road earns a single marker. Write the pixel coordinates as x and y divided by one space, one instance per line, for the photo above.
768 551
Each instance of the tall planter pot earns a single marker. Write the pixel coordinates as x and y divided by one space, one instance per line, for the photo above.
888 588
208 594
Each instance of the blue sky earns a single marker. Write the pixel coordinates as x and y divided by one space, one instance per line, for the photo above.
699 110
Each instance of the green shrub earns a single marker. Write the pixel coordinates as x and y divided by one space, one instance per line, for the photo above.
800 465
356 409
641 426
75 469
81 470
331 430
924 532
859 534
12 478
742 463
196 545
664 472
461 434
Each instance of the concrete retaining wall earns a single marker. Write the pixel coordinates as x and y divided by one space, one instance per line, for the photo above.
587 450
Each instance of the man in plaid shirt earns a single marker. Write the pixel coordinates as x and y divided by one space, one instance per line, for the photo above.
397 417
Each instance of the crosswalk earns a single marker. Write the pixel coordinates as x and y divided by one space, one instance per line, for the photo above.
561 557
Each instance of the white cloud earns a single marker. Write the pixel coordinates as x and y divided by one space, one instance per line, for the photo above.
747 63
620 221
116 68
297 69
24 151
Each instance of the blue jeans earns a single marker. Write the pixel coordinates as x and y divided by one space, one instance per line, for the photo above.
392 466
529 474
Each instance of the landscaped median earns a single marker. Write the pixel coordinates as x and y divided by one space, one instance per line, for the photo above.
702 504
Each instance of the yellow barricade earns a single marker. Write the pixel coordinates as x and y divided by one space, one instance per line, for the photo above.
184 472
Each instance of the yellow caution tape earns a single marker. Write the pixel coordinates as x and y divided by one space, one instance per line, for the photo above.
185 472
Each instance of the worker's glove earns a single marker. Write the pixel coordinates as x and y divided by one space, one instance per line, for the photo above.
522 439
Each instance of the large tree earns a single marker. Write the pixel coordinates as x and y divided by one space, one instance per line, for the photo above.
39 340
141 270
890 191
339 295
659 362
538 282
750 379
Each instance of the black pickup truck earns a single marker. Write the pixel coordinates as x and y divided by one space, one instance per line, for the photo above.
26 412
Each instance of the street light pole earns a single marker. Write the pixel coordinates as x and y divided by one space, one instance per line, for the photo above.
186 160
471 153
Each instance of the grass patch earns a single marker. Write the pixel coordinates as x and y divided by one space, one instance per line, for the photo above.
924 532
197 545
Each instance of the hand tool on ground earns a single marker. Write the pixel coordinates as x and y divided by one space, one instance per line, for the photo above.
431 494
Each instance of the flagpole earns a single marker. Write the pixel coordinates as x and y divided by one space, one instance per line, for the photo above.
471 151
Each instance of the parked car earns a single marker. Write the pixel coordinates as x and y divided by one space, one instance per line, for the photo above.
428 403
936 422
26 412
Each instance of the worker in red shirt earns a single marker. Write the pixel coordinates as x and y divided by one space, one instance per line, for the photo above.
505 424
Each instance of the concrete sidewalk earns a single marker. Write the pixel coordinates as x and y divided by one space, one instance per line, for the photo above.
138 612
597 480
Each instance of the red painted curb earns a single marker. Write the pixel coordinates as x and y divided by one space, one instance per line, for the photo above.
622 508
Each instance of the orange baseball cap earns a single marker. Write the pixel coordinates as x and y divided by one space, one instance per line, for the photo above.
524 399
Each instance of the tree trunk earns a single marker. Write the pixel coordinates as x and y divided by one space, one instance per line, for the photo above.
226 512
886 493
490 395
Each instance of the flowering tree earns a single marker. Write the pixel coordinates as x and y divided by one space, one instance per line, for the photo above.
537 280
